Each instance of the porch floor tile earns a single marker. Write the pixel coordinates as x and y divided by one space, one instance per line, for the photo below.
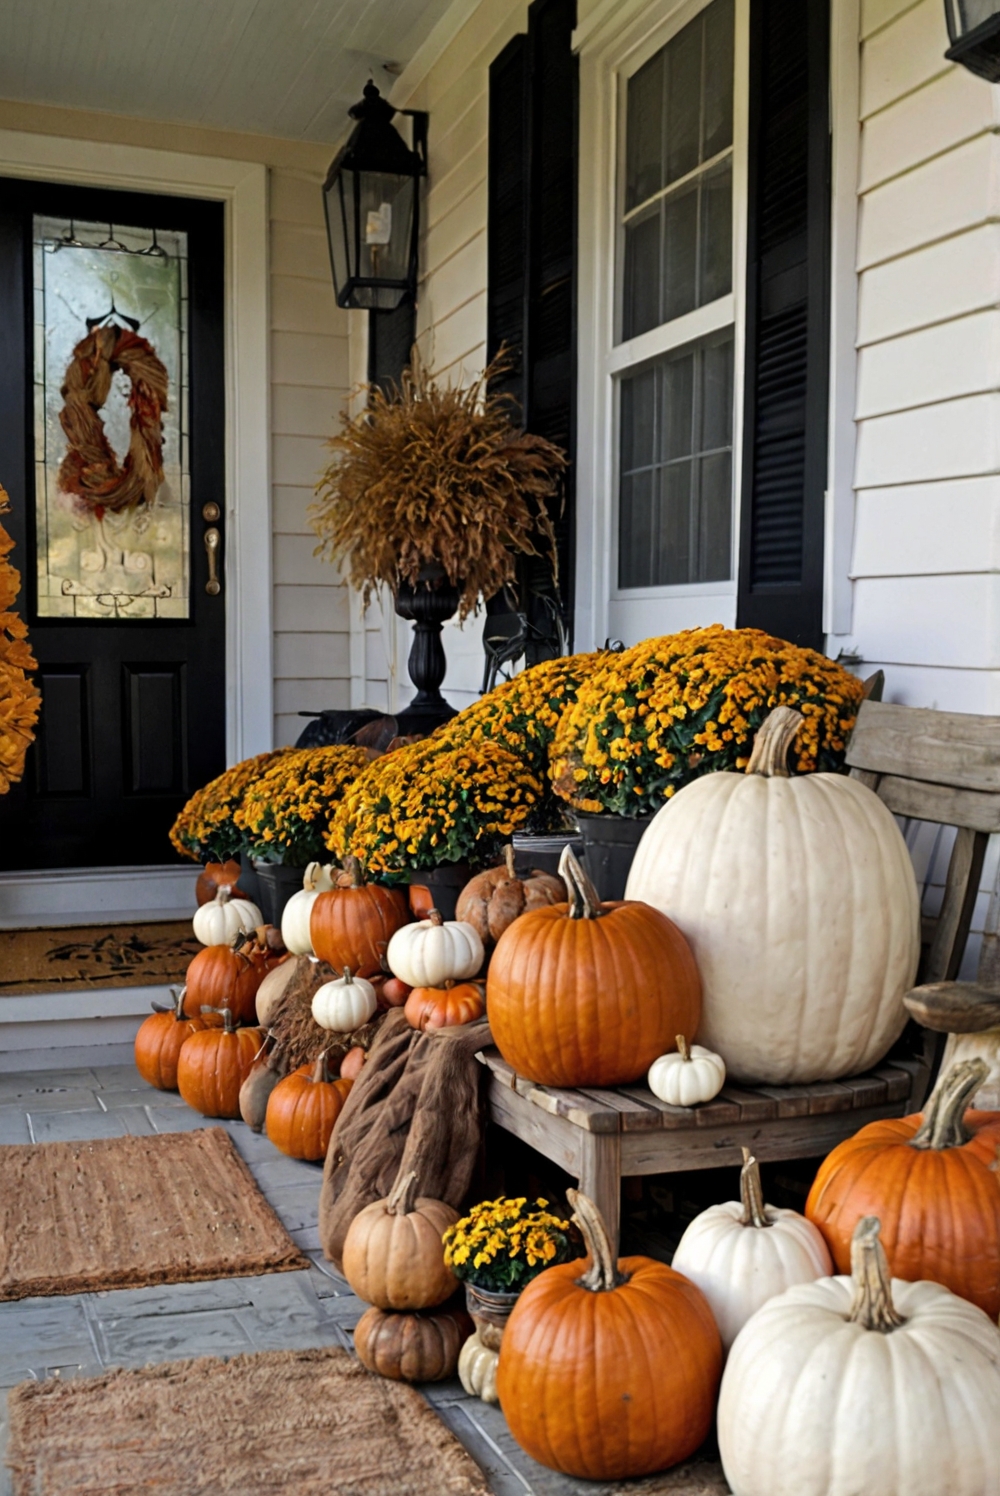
82 1334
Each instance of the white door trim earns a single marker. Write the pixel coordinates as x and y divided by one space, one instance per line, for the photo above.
242 187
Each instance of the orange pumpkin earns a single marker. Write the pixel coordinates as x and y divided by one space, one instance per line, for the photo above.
932 1182
225 976
351 924
421 900
302 1109
353 1063
609 1372
441 1007
590 994
213 1065
216 875
158 1043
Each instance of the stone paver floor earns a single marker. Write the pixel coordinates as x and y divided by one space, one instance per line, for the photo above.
82 1334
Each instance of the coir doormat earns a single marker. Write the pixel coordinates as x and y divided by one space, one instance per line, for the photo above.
129 1212
313 1422
95 956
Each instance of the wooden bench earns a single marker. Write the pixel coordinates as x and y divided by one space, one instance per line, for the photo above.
940 767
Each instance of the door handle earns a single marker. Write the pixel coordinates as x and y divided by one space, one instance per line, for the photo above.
212 542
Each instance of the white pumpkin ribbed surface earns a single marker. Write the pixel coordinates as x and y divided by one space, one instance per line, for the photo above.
799 900
739 1268
813 1405
295 922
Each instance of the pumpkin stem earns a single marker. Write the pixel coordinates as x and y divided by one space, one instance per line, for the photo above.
584 900
774 738
354 871
434 917
508 858
347 976
227 1017
751 1193
683 1048
942 1126
603 1274
402 1195
321 1070
872 1307
223 893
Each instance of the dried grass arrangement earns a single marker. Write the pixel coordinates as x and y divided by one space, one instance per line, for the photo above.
437 474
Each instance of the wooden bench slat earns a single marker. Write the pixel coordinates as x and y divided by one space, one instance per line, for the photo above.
753 1105
592 1116
950 748
637 1114
898 1077
866 1090
791 1101
826 1097
674 1118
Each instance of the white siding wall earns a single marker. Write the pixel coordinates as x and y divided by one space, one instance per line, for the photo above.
451 312
926 555
310 380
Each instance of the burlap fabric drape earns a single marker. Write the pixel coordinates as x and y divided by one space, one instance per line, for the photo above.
90 470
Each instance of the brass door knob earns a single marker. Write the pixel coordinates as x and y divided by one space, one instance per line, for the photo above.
210 512
212 542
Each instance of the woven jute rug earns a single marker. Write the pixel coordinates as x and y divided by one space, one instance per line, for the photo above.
95 956
310 1422
129 1212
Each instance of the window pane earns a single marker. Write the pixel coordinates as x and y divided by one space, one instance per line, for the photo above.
641 309
644 133
683 113
675 519
715 270
717 113
677 402
680 252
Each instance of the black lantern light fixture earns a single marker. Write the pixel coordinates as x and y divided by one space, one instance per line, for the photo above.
372 202
974 29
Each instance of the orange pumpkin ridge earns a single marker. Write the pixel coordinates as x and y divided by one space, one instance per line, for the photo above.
444 1007
303 1108
609 1370
931 1180
221 976
352 924
588 993
159 1040
214 1064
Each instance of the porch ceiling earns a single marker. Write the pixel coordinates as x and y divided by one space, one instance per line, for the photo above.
288 68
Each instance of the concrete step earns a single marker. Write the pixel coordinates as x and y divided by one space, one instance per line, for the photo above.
95 896
63 1030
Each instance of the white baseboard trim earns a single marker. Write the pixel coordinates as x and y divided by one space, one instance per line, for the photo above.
24 1061
49 1028
67 896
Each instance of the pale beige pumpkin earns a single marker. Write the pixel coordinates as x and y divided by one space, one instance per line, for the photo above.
798 898
393 1255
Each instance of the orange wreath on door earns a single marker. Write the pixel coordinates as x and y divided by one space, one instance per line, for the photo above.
90 471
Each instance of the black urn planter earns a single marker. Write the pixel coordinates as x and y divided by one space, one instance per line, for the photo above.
428 604
609 843
278 882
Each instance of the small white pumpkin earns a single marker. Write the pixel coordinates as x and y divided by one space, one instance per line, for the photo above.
687 1076
477 1369
861 1387
223 918
434 951
742 1253
298 911
344 1004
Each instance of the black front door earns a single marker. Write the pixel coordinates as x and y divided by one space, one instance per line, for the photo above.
112 450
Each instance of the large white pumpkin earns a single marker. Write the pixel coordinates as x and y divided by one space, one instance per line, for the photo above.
799 901
223 918
743 1253
855 1387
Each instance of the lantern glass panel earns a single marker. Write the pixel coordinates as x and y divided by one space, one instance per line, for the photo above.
370 219
972 13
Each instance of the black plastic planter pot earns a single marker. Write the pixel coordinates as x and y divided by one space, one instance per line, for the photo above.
609 844
444 884
543 852
277 884
249 882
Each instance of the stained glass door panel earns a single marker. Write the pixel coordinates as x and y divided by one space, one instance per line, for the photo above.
110 311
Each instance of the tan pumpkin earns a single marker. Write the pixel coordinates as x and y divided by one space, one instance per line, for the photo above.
412 1347
272 990
269 1067
158 1043
492 900
477 1369
393 1256
444 1007
214 1064
303 1108
352 924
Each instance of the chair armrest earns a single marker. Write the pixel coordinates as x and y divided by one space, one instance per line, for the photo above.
954 1007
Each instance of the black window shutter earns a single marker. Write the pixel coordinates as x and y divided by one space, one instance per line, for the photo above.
531 249
391 336
788 322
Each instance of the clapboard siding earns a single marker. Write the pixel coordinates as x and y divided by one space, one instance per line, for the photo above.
928 529
937 363
945 281
310 380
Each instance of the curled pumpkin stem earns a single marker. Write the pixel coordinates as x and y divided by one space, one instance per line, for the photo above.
872 1306
508 859
773 741
403 1194
603 1274
942 1126
584 900
752 1193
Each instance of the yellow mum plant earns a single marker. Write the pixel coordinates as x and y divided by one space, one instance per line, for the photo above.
285 813
20 699
649 720
502 1244
206 828
430 803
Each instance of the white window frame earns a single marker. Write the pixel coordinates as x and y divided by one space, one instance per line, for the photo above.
614 43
